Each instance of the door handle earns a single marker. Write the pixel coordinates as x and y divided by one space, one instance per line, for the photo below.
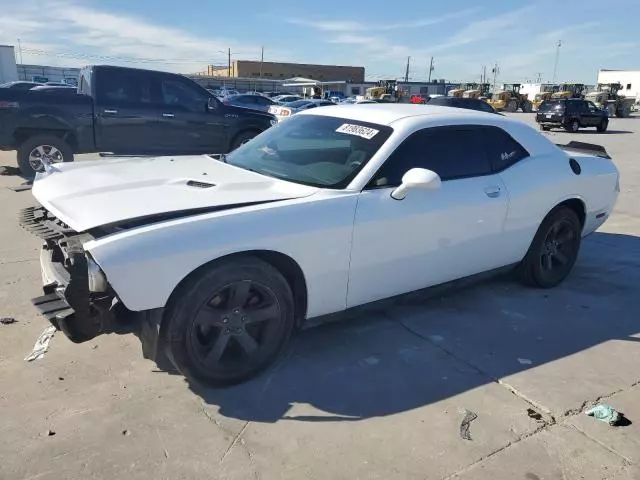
492 192
113 112
168 115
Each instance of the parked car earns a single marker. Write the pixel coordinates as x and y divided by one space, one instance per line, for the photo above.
20 85
468 103
282 99
124 111
572 114
217 260
284 111
421 98
249 100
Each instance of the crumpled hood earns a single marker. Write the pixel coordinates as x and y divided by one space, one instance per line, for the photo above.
86 195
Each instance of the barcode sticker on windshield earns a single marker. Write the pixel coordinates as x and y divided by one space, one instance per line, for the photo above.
359 130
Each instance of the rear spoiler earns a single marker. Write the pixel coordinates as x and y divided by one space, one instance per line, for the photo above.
583 147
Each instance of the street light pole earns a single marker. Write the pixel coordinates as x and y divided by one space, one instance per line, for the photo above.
555 66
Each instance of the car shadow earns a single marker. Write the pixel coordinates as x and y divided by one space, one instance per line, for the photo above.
419 348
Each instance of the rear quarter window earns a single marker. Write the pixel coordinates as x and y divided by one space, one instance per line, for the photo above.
502 149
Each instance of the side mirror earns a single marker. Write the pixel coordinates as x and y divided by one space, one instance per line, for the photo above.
417 178
212 104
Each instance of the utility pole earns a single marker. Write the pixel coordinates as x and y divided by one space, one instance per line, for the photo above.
20 50
430 69
555 66
229 67
406 74
495 71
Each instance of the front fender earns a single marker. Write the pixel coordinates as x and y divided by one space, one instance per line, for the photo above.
144 265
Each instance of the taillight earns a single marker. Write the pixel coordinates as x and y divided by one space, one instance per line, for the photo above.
7 105
285 112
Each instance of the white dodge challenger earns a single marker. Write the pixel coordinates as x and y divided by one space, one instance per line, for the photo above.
217 259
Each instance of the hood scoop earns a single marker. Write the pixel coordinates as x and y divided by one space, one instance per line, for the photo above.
199 184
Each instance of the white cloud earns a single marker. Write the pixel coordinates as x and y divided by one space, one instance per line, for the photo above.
92 35
356 26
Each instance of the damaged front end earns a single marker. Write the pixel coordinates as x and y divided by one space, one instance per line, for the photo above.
77 298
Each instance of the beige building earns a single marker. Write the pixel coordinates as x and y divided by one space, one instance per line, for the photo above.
282 71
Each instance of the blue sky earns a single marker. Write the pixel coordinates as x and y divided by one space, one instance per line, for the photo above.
185 36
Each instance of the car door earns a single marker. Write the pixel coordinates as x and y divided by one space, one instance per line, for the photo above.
587 117
431 236
595 113
126 116
190 119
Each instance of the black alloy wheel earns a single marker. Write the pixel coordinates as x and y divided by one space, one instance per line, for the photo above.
553 251
230 323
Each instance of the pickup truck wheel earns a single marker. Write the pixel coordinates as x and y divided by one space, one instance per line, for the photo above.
242 138
42 147
553 251
229 322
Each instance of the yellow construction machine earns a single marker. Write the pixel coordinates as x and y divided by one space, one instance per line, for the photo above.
477 90
510 99
458 92
606 97
386 91
569 90
545 93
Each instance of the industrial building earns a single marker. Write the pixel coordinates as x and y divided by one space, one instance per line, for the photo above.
629 79
282 71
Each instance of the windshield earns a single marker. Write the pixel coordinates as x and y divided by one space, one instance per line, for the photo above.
312 150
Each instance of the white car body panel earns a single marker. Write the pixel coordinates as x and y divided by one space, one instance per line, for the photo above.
90 194
353 245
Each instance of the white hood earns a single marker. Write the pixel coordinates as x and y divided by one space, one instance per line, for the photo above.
85 195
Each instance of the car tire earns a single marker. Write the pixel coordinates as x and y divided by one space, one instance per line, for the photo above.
229 322
572 126
603 125
54 148
511 106
242 138
545 128
553 251
527 107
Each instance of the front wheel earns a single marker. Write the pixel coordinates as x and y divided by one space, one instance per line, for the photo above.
229 322
40 149
553 251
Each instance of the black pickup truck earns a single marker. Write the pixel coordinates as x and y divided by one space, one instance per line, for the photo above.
124 111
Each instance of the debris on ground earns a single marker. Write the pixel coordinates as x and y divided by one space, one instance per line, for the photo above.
466 422
535 415
7 320
22 187
50 433
42 344
606 413
4 170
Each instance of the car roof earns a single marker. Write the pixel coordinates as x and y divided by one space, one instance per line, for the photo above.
387 113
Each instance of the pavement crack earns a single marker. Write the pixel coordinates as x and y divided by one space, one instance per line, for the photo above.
626 460
549 421
522 437
237 439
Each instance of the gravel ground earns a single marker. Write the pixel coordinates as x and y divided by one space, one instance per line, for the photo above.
383 396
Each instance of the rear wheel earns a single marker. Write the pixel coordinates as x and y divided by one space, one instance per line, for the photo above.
553 251
572 126
527 107
229 323
611 109
42 148
511 106
603 125
545 128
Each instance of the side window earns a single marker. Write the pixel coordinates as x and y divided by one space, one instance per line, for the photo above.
584 107
179 95
592 107
502 149
451 152
124 88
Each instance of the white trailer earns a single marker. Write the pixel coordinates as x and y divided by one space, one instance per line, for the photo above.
8 68
629 79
